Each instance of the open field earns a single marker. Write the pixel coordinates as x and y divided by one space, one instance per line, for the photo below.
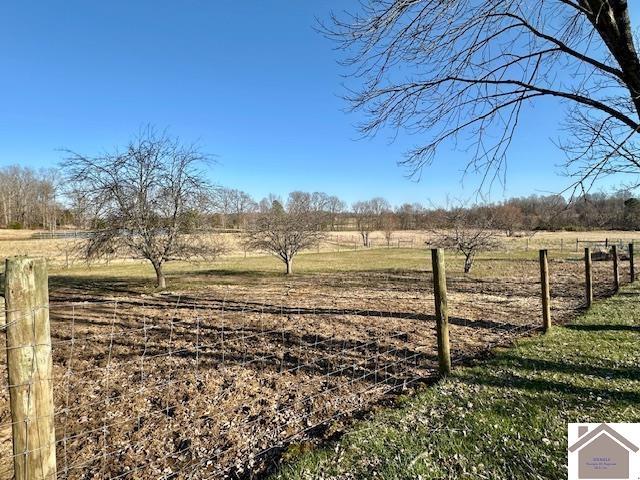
210 378
67 251
503 418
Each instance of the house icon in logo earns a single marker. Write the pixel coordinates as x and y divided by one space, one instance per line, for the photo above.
602 453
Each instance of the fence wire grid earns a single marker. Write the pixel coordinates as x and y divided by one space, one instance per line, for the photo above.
217 384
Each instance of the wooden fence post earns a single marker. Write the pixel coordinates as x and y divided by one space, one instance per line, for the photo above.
616 276
577 244
588 277
546 299
442 313
3 313
29 367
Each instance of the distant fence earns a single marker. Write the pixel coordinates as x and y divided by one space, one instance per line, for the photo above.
606 243
189 387
61 234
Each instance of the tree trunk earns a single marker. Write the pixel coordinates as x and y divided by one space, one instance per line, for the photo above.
614 26
468 263
5 211
365 238
161 281
289 263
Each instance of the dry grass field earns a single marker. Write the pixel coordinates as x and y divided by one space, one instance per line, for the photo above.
216 376
68 252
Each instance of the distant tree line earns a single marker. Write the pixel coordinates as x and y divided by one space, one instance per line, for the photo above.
33 199
594 211
28 198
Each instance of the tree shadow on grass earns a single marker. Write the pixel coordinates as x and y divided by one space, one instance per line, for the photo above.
535 364
67 287
538 385
604 328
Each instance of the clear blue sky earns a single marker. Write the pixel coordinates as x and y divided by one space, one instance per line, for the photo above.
251 80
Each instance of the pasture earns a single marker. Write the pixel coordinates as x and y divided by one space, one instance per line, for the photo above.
219 375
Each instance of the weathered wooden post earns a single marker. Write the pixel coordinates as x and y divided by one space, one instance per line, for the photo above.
442 312
29 367
616 275
561 245
3 315
632 267
577 245
546 298
588 277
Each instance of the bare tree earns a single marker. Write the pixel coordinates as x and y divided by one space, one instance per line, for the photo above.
222 204
28 198
457 70
368 215
389 224
286 230
364 221
144 200
234 205
466 234
509 218
335 207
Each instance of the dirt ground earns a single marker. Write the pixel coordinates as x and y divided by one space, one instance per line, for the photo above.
218 381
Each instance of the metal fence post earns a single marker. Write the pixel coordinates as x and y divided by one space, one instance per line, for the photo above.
546 298
588 276
442 311
29 368
616 275
632 267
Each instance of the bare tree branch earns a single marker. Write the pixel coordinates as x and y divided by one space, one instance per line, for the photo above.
143 200
459 72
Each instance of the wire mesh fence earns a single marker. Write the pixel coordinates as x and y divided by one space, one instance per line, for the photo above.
217 384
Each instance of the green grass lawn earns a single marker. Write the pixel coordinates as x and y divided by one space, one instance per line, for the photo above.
503 418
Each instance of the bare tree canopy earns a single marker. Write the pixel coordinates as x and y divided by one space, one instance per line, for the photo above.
233 205
368 215
144 199
286 230
460 72
468 233
28 198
